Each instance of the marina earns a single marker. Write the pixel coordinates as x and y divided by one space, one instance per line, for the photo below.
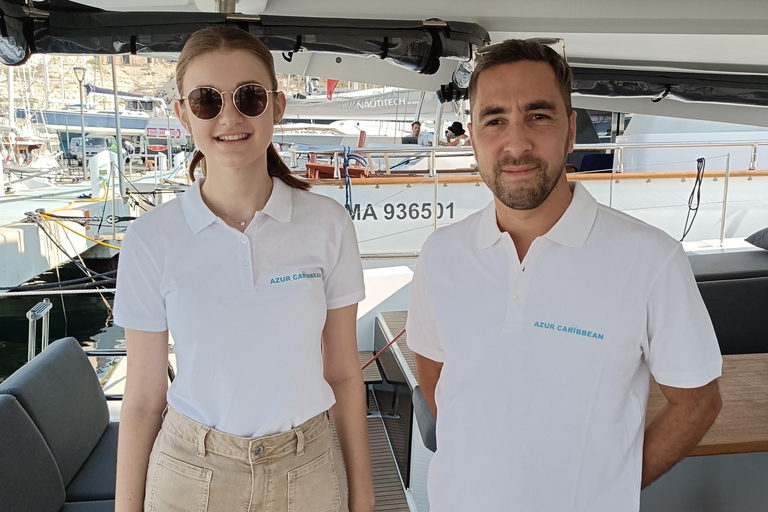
672 131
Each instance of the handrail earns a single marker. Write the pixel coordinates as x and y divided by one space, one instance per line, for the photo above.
660 145
40 310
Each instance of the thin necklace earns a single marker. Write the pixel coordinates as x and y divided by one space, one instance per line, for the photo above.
241 222
219 214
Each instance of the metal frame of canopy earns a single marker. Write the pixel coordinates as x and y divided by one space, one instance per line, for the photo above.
705 62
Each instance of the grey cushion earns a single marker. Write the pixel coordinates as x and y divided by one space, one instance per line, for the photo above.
96 479
89 506
61 393
29 478
737 308
729 265
759 239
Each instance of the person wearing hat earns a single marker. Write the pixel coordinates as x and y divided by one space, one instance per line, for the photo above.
456 136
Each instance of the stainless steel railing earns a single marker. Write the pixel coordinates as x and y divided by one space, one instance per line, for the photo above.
40 311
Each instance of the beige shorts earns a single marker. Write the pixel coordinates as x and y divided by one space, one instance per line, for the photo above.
194 468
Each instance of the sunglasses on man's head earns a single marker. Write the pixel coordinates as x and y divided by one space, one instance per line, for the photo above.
206 103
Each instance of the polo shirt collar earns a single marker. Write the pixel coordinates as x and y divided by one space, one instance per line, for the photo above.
571 230
489 232
574 226
197 213
279 205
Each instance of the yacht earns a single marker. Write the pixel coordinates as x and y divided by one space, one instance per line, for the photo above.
700 59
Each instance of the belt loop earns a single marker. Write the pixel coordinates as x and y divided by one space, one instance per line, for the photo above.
299 441
165 411
201 440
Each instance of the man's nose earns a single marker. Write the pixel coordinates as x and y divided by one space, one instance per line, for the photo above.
517 138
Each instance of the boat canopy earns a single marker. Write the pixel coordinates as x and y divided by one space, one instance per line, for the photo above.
704 59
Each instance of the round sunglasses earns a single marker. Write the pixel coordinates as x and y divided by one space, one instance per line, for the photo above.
206 103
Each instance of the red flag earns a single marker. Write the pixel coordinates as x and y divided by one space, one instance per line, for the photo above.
331 86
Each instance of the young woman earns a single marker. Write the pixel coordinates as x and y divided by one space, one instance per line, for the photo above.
258 280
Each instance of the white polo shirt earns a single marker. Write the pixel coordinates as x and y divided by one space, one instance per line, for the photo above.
542 396
246 310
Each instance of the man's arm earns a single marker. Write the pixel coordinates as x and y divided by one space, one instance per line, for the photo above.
429 373
678 427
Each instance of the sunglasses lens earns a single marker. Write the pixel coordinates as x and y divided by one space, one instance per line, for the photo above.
251 100
205 102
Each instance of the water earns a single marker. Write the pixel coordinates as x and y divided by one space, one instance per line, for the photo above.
85 317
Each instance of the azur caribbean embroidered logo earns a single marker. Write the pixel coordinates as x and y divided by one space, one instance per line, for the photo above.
569 330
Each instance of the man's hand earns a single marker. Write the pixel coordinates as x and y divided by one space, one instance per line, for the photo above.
678 427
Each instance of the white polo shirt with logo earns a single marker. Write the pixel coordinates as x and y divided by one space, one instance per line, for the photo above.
546 362
246 310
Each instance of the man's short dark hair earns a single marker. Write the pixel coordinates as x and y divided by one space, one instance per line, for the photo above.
415 123
516 50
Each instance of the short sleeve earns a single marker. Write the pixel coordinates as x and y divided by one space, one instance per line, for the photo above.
682 349
139 304
344 284
421 325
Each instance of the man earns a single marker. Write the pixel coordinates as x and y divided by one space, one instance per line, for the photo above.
423 137
536 339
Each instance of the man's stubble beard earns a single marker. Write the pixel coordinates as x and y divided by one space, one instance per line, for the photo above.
527 196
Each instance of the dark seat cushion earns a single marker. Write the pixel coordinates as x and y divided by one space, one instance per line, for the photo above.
89 506
29 478
738 308
729 265
96 479
759 239
60 392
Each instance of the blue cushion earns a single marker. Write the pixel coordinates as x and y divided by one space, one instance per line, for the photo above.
96 479
29 478
60 392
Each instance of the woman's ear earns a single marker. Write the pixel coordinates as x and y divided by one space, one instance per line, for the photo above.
279 107
181 115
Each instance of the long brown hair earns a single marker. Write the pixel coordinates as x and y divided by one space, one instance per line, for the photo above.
230 39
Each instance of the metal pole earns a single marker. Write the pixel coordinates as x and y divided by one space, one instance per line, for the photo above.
336 170
753 159
2 179
32 338
168 141
69 149
620 160
434 202
438 123
417 115
725 197
120 163
46 325
11 101
82 132
111 178
225 5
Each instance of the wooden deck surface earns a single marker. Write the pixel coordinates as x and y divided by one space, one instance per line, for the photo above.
742 426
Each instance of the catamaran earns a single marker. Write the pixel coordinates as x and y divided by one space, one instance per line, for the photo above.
690 60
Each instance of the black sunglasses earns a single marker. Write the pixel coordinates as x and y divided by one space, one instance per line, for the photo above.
206 103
